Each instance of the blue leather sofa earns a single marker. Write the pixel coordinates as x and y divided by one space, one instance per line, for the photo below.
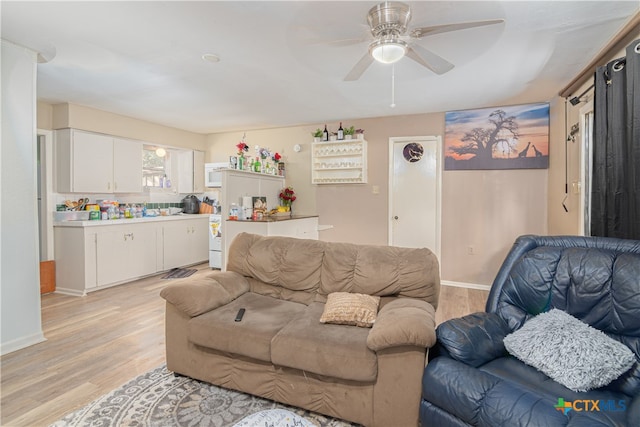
472 380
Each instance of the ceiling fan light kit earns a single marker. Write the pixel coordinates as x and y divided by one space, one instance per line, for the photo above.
388 51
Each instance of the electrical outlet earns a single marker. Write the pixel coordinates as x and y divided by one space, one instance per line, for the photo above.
471 250
375 189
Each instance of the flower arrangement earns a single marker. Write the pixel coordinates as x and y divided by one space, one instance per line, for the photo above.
262 152
276 157
287 196
242 148
359 131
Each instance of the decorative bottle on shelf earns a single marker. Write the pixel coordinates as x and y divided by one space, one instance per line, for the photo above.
340 132
325 134
240 164
257 166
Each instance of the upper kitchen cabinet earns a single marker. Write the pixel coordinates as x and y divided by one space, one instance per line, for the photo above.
191 171
95 163
127 166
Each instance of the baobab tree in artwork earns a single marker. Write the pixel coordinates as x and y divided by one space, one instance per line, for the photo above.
482 142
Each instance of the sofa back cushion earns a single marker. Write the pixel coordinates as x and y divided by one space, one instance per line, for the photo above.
304 270
281 267
380 270
596 280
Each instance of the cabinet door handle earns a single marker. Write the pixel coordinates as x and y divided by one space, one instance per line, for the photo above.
108 186
132 236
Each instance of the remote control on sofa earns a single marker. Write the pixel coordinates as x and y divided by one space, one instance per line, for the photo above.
240 314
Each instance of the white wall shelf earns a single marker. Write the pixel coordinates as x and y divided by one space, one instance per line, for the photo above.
339 162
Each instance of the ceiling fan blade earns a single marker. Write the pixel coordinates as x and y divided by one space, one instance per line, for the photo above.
359 68
445 28
428 59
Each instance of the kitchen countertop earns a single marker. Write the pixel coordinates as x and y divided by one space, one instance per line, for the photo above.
274 219
99 223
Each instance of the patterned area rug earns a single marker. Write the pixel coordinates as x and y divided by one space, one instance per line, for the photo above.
179 273
161 399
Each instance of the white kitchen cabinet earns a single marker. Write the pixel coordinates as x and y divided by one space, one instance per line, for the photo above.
125 251
75 256
339 162
190 171
185 243
93 255
198 171
94 163
127 166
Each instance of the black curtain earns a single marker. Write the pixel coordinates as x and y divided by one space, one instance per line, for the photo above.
615 196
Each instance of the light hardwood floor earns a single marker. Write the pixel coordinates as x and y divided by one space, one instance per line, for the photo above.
98 342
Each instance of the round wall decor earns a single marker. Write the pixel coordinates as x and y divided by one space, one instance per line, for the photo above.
413 152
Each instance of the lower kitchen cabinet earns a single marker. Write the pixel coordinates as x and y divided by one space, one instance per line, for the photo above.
126 251
185 243
92 255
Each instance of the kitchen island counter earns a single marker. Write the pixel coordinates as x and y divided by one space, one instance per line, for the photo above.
275 218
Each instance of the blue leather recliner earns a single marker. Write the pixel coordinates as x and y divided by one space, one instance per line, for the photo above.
471 380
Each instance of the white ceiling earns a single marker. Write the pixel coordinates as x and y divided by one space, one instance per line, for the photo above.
277 68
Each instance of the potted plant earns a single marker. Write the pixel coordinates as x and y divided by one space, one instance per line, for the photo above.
317 135
360 133
349 132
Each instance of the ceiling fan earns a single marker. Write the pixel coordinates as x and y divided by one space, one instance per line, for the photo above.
391 42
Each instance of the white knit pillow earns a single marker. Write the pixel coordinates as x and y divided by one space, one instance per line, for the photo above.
569 351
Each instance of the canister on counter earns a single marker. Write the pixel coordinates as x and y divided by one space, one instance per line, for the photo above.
93 215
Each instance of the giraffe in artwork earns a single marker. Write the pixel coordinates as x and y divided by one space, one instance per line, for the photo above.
523 153
538 152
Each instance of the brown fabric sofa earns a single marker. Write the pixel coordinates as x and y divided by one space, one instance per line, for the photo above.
280 350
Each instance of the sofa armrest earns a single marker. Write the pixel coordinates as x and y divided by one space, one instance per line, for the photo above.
474 339
195 296
403 321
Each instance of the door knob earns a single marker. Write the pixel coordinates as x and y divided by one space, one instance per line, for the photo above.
395 217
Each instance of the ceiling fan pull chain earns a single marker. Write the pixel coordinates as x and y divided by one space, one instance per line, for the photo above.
393 85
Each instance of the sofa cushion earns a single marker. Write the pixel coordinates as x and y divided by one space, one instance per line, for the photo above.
338 351
344 308
403 321
500 392
380 270
263 318
569 351
284 262
474 339
194 296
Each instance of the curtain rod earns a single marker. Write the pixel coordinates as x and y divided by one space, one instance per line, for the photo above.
628 33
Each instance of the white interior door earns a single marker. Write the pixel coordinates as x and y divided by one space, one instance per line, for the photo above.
414 192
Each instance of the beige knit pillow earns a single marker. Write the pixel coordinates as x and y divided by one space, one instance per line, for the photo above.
345 308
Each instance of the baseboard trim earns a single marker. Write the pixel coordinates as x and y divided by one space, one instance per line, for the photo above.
465 285
70 292
20 343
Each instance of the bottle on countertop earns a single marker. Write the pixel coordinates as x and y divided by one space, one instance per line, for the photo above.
325 134
340 132
233 212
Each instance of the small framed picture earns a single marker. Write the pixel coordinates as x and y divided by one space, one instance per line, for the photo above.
233 161
259 203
